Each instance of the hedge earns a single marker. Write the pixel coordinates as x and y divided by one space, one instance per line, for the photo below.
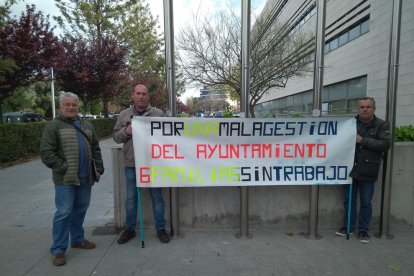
20 141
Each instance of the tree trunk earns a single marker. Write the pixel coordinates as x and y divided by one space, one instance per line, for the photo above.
105 108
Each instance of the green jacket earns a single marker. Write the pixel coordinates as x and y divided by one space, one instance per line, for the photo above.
59 150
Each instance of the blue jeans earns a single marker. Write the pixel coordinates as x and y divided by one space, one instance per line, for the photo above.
366 192
131 202
71 203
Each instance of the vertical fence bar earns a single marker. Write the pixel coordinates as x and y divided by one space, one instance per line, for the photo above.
170 72
317 106
392 85
245 51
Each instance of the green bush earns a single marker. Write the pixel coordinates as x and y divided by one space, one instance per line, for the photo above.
103 127
227 114
20 141
404 133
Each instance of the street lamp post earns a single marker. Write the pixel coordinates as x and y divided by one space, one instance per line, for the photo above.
52 88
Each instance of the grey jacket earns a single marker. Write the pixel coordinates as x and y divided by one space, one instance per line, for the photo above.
119 135
376 140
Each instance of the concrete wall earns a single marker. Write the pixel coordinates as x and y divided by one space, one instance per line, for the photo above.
273 207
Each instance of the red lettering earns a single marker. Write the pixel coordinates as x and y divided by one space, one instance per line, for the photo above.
156 151
321 151
287 151
144 178
201 150
166 151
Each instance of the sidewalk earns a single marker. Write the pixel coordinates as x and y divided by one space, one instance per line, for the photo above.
27 207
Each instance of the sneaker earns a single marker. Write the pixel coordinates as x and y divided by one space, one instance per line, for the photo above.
126 236
59 259
84 245
163 236
342 232
363 237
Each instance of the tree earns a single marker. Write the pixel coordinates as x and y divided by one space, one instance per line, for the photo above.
5 11
128 21
210 54
93 70
29 46
7 65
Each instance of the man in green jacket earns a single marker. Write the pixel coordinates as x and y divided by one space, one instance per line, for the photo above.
68 147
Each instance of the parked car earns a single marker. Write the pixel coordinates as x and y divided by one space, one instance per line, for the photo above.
22 117
218 114
87 116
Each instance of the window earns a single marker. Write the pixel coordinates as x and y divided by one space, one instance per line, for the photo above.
325 94
338 98
353 106
338 91
364 27
343 39
302 20
338 107
350 34
327 48
333 44
355 32
357 88
298 103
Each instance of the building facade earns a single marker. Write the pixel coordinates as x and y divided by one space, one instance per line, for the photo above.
357 42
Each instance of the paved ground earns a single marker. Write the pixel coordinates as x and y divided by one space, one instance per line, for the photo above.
27 207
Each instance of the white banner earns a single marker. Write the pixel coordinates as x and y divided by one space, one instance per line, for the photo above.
187 152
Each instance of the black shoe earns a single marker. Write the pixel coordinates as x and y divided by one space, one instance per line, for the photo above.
126 236
163 236
363 237
342 232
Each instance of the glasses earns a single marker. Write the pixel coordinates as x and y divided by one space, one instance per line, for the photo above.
68 105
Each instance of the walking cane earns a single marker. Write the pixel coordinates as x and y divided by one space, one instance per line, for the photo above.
348 227
141 227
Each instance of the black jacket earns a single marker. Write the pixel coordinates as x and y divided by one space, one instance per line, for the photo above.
376 140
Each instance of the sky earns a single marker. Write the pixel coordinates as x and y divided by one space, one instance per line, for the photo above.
183 11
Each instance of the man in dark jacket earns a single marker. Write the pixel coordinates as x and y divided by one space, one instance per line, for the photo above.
68 147
123 134
372 140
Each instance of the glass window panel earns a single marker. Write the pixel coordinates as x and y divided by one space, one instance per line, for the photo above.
282 103
298 99
302 22
327 48
308 108
325 107
338 91
289 101
343 39
325 94
308 97
333 44
353 106
355 32
365 27
338 107
297 109
357 88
